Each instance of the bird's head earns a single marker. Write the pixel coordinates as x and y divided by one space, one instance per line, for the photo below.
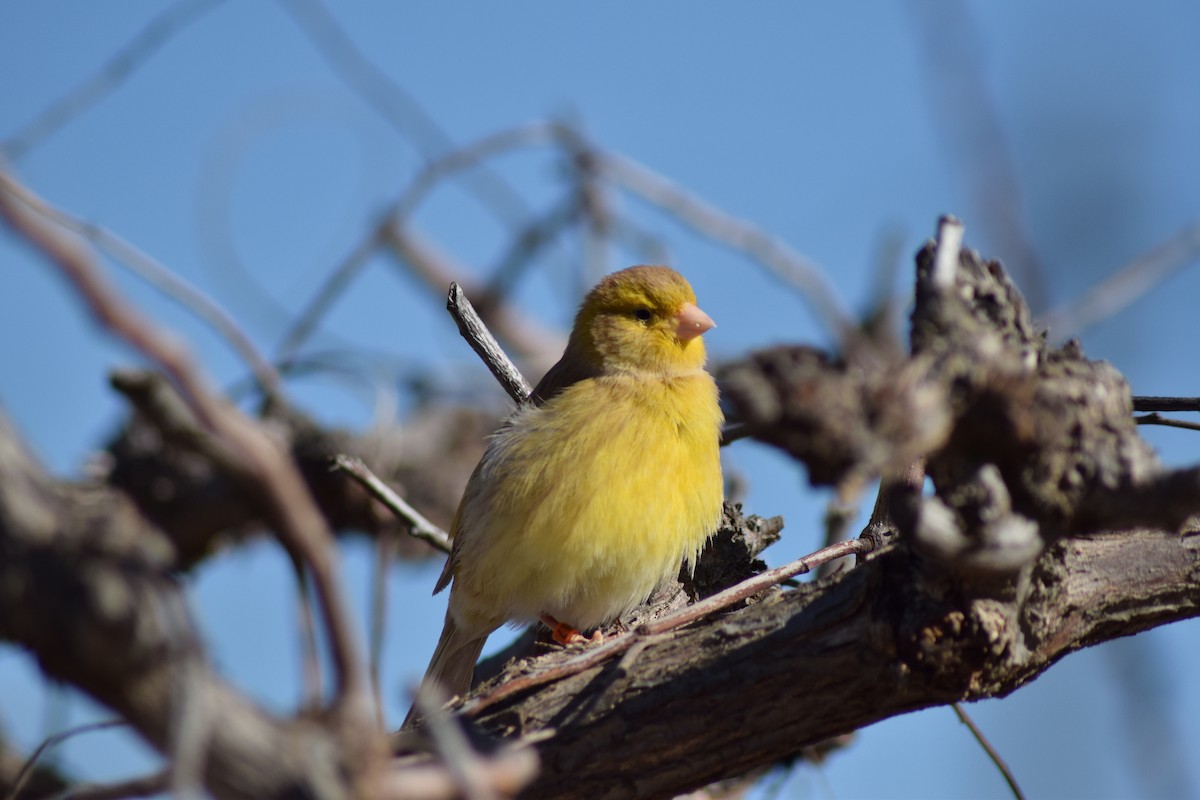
641 319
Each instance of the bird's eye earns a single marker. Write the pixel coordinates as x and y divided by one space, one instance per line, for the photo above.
643 314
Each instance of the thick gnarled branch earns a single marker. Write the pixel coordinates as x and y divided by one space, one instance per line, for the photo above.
757 685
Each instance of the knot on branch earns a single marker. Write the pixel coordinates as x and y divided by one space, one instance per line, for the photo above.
1055 427
843 419
1024 443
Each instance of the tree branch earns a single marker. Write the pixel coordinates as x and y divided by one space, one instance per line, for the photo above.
757 685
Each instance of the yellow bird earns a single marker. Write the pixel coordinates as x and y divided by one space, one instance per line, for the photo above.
597 491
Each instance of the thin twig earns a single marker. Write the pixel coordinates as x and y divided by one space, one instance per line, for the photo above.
1126 285
50 743
1166 403
483 343
1166 422
119 67
991 751
310 653
685 616
418 525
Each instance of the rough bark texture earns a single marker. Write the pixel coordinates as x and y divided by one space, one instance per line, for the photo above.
891 636
86 585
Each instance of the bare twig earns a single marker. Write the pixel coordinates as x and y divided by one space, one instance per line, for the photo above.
991 751
485 345
685 616
119 67
310 653
949 244
1166 403
49 744
1166 422
418 525
263 462
1126 285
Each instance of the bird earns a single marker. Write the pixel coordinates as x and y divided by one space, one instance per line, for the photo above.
597 489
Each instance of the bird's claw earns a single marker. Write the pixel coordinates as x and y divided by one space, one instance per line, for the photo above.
565 634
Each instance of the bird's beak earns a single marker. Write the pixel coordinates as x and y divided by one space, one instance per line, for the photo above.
691 322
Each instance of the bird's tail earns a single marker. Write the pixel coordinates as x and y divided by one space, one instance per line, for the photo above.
453 663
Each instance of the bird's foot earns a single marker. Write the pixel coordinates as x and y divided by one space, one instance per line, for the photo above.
564 634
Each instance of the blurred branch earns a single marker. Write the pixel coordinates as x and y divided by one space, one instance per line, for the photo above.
152 785
963 111
161 278
526 245
1125 286
992 754
385 230
436 269
108 615
262 463
738 234
120 66
395 104
49 744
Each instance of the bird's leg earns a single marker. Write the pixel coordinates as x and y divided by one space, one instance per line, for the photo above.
565 634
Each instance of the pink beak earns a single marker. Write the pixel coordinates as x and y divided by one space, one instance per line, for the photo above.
691 322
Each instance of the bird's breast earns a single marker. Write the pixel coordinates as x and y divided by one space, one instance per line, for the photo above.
589 502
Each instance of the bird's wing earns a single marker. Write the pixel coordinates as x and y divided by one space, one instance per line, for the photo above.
569 370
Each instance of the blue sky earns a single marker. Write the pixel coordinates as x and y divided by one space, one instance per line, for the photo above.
835 127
